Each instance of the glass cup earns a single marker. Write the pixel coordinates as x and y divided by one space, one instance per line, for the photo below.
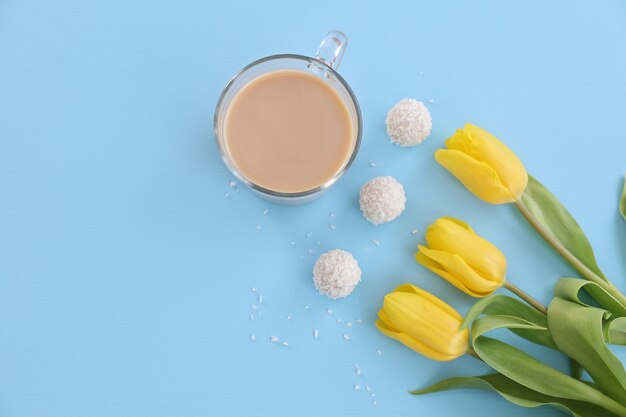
324 66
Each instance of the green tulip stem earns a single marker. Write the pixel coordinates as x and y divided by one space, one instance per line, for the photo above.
470 351
574 261
530 300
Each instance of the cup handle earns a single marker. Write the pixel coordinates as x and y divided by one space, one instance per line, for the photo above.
331 48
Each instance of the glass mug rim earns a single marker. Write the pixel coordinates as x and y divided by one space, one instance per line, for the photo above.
266 191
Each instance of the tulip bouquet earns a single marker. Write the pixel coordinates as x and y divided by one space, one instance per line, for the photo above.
585 315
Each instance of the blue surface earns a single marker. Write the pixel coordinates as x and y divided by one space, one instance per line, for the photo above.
126 275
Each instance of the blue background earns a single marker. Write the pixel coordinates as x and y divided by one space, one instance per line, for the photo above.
125 273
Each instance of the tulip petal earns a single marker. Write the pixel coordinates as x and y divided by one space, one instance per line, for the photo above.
420 319
494 152
483 146
476 176
442 305
459 222
453 269
414 344
454 236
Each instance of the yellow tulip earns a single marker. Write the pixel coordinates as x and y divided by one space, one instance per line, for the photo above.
486 166
423 323
461 257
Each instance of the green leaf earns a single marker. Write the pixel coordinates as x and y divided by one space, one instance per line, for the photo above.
622 201
575 370
579 333
503 305
536 375
615 331
559 224
569 289
500 304
486 324
517 394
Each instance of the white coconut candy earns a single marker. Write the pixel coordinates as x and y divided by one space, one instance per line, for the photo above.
408 122
382 200
336 273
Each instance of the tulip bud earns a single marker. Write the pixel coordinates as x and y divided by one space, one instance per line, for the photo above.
423 323
486 166
461 257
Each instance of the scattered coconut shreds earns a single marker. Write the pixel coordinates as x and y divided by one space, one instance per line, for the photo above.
260 298
251 316
331 214
375 242
414 232
366 249
372 394
331 226
368 389
378 352
357 370
373 164
307 307
329 311
358 321
266 211
292 243
259 228
431 100
309 234
375 403
349 324
289 318
318 243
253 289
338 320
311 252
274 339
316 333
253 338
285 344
253 307
232 184
357 387
421 72
346 337
227 195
